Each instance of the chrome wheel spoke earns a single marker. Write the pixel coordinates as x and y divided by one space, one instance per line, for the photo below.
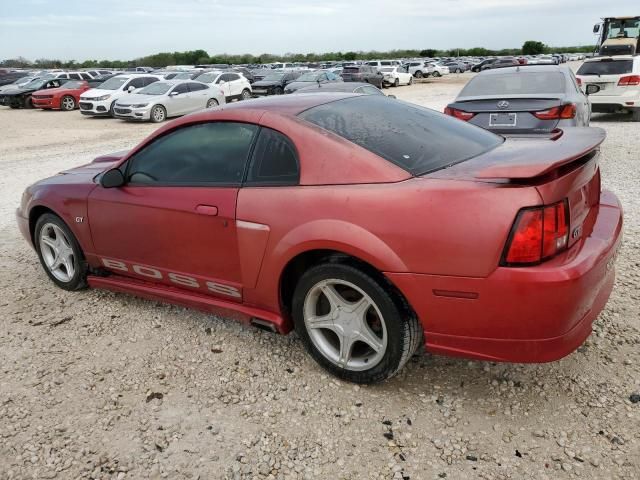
50 242
335 299
322 321
365 335
346 346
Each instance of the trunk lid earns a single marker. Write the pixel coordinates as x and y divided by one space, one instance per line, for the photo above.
560 167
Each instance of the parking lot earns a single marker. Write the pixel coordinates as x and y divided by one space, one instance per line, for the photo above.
101 385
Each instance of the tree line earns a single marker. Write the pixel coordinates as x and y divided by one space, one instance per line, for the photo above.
196 57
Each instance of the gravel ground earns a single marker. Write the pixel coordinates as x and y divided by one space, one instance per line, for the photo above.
101 385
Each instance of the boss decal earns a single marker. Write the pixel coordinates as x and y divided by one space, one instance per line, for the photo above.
176 278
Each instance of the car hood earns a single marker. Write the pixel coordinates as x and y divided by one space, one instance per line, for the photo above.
98 92
135 98
265 83
18 91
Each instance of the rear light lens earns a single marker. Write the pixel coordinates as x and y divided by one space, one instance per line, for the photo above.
629 80
538 234
579 81
564 112
459 114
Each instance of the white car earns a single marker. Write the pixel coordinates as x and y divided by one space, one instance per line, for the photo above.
383 63
420 69
619 81
396 76
168 98
439 70
101 101
234 85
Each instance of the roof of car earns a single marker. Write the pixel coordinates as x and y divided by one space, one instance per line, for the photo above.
334 87
289 104
525 68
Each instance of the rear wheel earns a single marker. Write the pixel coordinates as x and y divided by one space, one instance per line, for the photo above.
59 253
158 114
418 74
278 91
246 94
68 103
352 325
28 103
212 102
436 74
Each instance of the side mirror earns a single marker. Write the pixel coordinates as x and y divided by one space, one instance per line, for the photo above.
130 88
591 89
596 28
173 94
391 96
112 178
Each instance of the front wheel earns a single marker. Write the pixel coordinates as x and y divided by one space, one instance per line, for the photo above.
212 102
436 74
418 74
60 253
158 114
246 94
352 325
68 103
28 102
278 91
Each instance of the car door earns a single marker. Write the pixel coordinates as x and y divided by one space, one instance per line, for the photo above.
177 102
173 222
199 96
236 84
224 85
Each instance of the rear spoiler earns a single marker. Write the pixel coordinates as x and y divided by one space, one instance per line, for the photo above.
522 158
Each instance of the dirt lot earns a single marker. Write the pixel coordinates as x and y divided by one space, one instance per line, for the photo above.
99 385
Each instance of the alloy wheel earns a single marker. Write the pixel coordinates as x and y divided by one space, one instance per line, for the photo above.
345 324
57 252
68 103
158 114
212 102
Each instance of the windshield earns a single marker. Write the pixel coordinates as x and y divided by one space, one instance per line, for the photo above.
207 77
350 69
629 28
309 77
113 83
416 139
156 88
73 84
521 83
35 83
606 67
273 77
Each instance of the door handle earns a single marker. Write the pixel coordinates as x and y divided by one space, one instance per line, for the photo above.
207 210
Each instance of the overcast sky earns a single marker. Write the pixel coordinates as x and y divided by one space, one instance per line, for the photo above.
125 29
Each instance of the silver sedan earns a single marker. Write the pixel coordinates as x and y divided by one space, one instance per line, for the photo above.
168 98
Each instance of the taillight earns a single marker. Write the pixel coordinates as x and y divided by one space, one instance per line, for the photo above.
629 80
459 114
579 81
556 113
538 234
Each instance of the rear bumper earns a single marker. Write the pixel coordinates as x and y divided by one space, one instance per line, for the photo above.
614 103
531 314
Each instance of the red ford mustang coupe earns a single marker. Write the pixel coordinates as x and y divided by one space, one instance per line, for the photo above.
367 224
65 97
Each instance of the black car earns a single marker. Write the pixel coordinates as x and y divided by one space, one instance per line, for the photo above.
501 63
311 78
363 73
273 83
21 97
10 77
348 87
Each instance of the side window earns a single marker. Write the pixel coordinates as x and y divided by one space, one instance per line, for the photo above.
135 83
274 160
195 87
371 91
75 76
182 88
208 153
232 76
221 78
149 80
85 76
359 90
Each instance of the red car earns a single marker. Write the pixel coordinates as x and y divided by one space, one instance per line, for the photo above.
368 224
65 97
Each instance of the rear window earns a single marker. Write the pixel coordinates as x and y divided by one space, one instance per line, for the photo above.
350 70
416 139
606 67
515 84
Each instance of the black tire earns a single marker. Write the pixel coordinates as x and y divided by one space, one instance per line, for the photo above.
79 280
403 330
111 112
635 115
158 114
245 95
396 82
411 81
67 103
436 74
14 106
212 103
28 103
278 91
417 74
